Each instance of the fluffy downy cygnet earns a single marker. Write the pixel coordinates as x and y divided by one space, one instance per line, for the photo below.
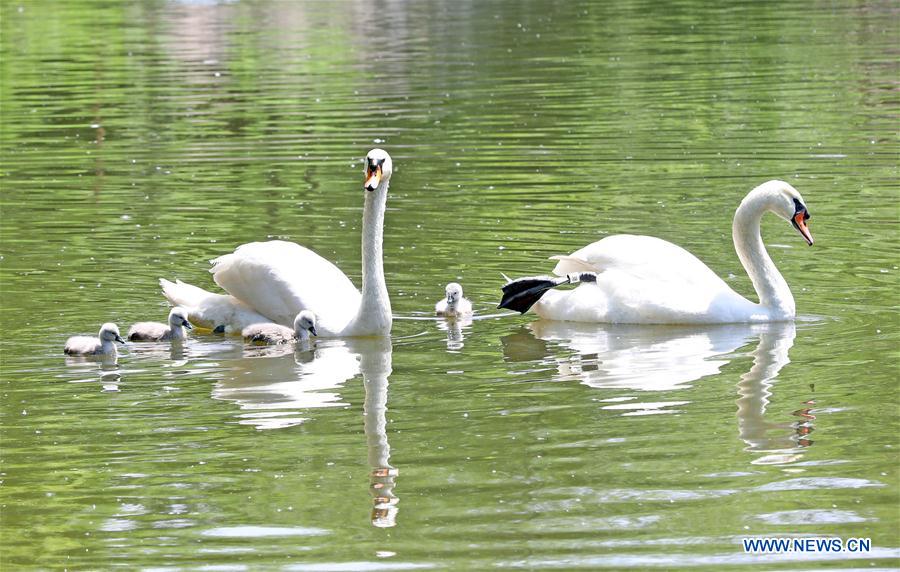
454 304
304 325
104 344
158 332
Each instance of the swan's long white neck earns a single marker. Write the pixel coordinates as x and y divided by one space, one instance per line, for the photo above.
773 291
374 316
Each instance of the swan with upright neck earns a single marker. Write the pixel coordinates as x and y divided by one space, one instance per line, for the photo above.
646 280
276 280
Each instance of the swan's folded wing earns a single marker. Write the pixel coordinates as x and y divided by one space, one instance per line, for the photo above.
644 279
278 279
571 264
621 251
646 258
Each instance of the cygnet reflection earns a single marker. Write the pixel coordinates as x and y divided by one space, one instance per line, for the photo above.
102 369
455 329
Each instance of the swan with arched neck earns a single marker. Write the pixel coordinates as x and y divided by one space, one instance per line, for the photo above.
647 280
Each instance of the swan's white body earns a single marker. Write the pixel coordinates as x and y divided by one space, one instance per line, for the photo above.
104 344
159 332
454 304
646 280
274 281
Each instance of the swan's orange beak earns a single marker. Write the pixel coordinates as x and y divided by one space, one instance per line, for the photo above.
799 222
373 178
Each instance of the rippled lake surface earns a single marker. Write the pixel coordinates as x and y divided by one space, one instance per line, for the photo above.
141 139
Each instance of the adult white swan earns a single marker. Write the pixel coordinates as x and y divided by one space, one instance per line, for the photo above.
275 280
645 280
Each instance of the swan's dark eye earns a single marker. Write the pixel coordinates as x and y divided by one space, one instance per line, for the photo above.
800 208
375 163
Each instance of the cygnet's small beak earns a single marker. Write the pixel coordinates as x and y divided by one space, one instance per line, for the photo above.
187 325
119 339
312 330
373 178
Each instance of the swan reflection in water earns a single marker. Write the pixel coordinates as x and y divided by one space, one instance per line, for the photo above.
375 364
274 384
275 394
669 358
783 442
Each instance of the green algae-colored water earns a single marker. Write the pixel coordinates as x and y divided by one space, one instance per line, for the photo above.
141 139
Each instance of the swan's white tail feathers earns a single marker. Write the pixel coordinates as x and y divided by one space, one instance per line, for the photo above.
205 309
572 264
220 263
169 290
210 310
180 293
505 277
